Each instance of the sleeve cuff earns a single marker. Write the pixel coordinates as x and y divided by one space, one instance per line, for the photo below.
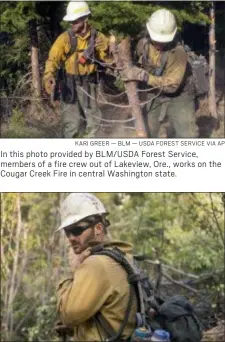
47 75
150 79
64 283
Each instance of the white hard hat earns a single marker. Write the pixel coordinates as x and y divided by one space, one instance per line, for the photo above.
76 10
78 206
162 26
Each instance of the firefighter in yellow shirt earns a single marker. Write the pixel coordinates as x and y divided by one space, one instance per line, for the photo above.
166 73
93 302
77 50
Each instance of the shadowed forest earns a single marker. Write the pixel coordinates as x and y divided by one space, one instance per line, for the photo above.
28 29
181 233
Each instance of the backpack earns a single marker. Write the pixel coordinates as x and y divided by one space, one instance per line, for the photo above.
198 65
200 71
176 314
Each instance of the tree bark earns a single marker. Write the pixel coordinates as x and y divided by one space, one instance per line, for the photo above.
131 89
212 63
23 262
9 314
36 80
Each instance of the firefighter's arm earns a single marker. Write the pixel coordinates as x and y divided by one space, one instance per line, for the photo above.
102 46
82 298
56 55
174 72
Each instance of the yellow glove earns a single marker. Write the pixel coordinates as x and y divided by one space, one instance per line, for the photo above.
134 74
49 84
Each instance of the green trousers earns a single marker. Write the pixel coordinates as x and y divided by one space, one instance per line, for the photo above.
179 111
83 116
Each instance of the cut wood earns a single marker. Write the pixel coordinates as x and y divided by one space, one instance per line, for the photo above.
131 89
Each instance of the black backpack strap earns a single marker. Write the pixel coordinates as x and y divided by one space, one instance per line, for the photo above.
164 59
73 43
94 33
117 255
110 333
159 70
108 329
90 51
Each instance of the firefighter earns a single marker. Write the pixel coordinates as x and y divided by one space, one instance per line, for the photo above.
71 71
165 71
92 303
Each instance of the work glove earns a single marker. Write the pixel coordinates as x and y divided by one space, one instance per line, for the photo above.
134 74
49 84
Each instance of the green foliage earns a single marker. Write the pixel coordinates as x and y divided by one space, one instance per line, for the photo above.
129 18
15 18
182 230
34 304
172 225
17 127
44 320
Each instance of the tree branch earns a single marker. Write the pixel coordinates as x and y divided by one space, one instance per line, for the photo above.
180 284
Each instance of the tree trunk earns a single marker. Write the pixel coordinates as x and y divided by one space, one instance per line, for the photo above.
36 80
212 63
24 259
131 89
12 286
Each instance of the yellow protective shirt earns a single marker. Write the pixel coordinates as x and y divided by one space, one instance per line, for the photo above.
98 285
61 48
174 72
